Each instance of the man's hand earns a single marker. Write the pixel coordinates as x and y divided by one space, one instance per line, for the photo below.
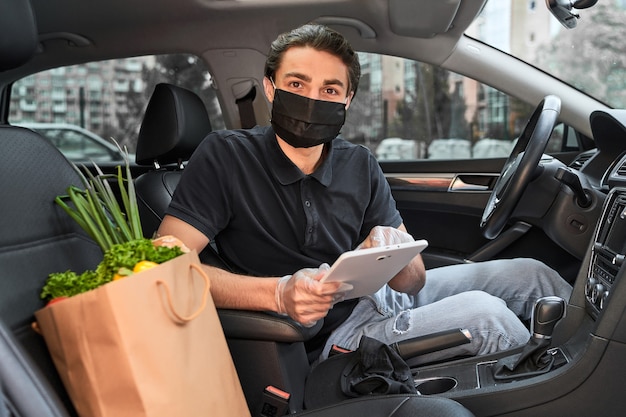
304 298
383 236
412 278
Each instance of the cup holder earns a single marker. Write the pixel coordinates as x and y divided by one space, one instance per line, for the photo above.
438 385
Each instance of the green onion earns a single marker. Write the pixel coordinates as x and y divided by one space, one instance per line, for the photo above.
112 220
97 210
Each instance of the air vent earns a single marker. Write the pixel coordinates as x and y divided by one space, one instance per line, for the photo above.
621 170
615 174
581 160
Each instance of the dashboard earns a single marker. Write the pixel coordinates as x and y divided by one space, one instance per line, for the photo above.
606 168
589 343
608 252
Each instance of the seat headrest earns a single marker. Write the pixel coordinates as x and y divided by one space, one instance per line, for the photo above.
18 33
175 122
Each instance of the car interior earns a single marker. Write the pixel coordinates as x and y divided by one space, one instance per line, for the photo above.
27 384
567 209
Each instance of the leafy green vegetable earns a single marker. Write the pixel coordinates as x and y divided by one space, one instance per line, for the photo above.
121 255
126 255
117 229
69 283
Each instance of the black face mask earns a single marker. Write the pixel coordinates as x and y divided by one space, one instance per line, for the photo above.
303 122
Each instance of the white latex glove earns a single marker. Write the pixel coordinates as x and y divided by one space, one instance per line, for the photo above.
383 236
304 298
409 284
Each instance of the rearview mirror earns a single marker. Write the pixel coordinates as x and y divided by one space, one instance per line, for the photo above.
562 10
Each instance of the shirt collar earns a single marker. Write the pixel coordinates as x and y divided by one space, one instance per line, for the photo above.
286 172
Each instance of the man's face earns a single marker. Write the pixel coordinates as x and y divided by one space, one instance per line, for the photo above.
311 73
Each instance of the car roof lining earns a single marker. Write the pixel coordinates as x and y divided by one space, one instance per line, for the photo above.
85 34
245 29
231 27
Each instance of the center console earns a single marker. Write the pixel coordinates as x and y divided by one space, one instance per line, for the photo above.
589 343
608 252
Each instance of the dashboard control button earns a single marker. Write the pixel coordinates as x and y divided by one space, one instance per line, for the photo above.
591 282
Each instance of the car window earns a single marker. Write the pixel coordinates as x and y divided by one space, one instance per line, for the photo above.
407 110
78 145
81 108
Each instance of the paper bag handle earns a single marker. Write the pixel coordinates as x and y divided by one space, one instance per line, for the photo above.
205 294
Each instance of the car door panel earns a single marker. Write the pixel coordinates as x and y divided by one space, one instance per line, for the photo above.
443 202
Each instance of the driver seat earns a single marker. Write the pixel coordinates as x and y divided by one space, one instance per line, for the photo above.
174 124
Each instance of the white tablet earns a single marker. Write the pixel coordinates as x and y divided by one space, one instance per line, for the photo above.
367 270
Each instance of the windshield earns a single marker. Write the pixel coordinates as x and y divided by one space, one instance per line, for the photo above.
590 57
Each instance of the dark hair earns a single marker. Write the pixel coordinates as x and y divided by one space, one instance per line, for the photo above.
318 37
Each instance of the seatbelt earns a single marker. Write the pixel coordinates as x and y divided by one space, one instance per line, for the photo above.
275 403
246 110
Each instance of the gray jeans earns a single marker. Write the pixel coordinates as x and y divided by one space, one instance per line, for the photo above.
487 298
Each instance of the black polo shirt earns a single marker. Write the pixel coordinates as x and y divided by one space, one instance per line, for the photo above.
268 218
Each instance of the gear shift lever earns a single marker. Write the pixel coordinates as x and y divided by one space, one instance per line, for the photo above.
546 313
534 360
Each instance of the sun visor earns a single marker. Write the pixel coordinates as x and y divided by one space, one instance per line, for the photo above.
422 19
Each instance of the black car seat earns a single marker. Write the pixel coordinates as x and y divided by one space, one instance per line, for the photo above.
174 124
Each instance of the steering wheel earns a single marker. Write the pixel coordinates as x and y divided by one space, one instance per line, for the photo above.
520 166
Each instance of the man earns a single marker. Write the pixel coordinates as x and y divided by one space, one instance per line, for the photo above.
282 201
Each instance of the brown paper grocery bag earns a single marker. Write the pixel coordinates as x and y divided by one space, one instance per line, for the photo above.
148 345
